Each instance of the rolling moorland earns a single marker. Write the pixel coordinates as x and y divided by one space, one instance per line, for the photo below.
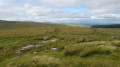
30 44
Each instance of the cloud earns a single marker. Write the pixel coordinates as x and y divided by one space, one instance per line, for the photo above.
60 3
95 5
60 10
108 16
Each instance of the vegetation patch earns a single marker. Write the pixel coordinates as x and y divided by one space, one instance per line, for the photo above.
37 61
90 48
59 45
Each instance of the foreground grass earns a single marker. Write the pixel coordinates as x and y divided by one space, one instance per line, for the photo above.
78 47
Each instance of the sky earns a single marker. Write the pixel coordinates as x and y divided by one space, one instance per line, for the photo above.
62 11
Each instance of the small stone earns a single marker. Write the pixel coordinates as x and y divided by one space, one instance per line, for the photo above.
20 56
45 38
88 37
53 40
17 52
28 47
35 52
114 37
44 41
66 46
54 49
14 43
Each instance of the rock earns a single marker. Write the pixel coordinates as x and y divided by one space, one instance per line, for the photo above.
14 43
45 38
35 52
54 49
17 52
65 46
88 37
15 57
53 40
27 47
50 41
114 37
41 45
20 56
44 41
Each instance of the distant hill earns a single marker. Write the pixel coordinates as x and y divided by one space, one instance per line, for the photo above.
106 26
24 24
79 25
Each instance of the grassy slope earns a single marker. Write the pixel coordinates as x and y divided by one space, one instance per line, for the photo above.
18 24
108 54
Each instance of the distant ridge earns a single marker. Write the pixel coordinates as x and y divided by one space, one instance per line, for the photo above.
106 26
24 24
79 25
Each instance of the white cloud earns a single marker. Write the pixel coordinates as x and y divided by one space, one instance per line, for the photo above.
108 16
60 3
53 10
110 5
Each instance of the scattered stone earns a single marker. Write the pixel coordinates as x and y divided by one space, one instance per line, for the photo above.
53 40
88 37
18 51
15 57
27 47
45 38
66 46
14 43
44 41
54 49
50 41
20 56
114 37
35 52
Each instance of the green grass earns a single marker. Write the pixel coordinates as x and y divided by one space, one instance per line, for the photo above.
25 24
90 48
85 47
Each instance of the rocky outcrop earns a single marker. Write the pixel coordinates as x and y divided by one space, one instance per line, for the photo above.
28 47
20 56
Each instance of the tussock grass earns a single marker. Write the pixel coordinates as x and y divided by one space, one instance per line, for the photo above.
90 48
116 43
37 61
91 62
